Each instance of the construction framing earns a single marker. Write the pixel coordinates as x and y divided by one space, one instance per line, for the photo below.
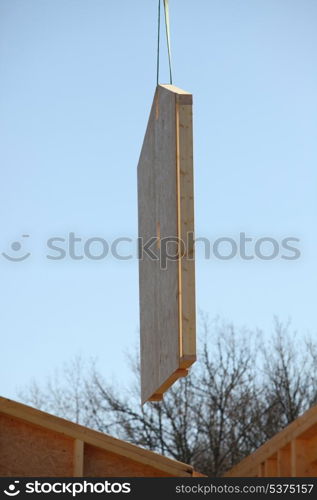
36 444
290 453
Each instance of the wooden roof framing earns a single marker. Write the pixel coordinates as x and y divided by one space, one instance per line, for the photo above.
290 453
35 443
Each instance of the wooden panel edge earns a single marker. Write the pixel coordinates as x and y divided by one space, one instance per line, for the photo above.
176 90
158 395
187 361
186 229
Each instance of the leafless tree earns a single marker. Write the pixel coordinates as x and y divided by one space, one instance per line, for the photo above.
240 393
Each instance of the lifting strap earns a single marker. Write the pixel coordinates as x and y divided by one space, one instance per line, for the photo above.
168 39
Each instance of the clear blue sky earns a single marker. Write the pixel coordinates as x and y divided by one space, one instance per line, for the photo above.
77 79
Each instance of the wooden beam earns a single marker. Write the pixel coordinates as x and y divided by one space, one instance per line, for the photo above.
78 469
198 474
301 463
299 466
284 462
312 449
185 184
270 467
261 470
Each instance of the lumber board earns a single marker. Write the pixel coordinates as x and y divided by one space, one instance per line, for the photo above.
270 467
166 210
284 462
261 469
186 270
78 466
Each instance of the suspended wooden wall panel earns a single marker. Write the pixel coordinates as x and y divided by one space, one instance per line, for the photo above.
166 217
